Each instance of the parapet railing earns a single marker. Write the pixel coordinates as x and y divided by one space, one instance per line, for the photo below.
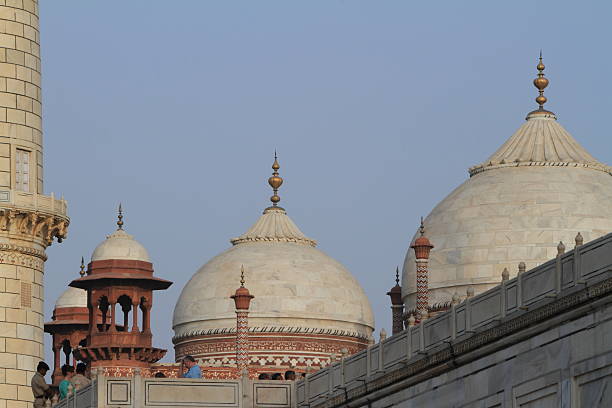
142 392
34 201
466 327
86 397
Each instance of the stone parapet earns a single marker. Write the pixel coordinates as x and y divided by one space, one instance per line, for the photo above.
33 202
139 392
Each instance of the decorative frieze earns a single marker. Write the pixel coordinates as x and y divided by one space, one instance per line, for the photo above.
41 225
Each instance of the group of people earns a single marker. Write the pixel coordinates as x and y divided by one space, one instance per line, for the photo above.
73 380
76 379
289 376
190 369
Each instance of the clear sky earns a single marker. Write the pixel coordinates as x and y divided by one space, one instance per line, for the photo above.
377 109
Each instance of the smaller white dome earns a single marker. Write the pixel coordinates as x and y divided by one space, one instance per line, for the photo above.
120 245
72 297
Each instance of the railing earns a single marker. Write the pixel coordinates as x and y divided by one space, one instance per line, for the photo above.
464 327
37 202
139 392
86 397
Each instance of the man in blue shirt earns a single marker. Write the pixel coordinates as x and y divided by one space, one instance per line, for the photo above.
193 369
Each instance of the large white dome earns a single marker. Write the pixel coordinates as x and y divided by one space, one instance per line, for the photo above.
539 188
295 285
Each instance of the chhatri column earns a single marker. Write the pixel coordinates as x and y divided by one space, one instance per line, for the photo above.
29 220
57 365
422 247
242 299
135 304
397 306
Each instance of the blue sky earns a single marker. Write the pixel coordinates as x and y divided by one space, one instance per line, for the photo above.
377 109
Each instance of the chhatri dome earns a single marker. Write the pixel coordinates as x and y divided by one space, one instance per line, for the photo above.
538 188
306 305
73 297
120 245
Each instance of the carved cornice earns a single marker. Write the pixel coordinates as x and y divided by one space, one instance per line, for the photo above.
594 166
444 360
270 344
35 224
272 329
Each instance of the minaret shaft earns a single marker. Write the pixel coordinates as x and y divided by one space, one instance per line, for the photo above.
29 221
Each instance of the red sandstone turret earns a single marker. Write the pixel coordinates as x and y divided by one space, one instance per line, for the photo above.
69 327
119 282
397 305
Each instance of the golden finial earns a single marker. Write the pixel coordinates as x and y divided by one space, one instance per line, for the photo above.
422 227
120 218
242 276
275 181
397 275
82 271
541 82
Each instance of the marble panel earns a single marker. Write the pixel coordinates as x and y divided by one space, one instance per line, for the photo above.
191 393
374 356
355 366
538 282
485 307
594 388
272 395
511 296
394 349
318 383
567 272
437 329
596 258
119 392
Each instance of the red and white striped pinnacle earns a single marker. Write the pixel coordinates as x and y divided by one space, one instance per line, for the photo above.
422 247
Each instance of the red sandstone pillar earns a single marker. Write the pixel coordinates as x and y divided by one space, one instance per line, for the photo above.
113 312
422 247
242 299
146 325
57 368
135 317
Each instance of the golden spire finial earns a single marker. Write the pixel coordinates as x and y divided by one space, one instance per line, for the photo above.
82 271
242 276
422 228
397 275
120 218
540 83
275 181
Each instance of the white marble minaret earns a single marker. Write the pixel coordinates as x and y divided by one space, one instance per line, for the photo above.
29 220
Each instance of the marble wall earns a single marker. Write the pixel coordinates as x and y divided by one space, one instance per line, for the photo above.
542 339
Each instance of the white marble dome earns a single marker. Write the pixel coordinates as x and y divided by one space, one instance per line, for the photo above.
539 188
294 284
120 245
72 297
